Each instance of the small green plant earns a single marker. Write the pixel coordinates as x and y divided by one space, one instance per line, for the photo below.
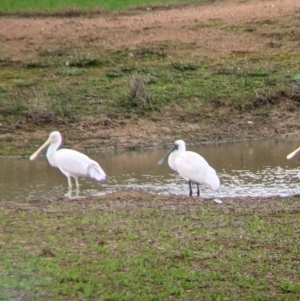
36 64
138 99
83 61
137 91
290 287
184 66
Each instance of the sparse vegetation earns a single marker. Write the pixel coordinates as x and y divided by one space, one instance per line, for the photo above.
65 83
246 83
139 81
75 7
135 246
138 99
140 247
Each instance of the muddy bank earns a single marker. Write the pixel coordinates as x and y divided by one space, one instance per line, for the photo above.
198 32
139 133
135 201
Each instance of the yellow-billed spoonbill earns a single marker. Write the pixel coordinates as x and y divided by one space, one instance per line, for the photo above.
70 162
293 154
192 167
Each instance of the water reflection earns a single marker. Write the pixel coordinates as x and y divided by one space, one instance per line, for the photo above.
253 168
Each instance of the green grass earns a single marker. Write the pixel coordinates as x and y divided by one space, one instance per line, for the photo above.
100 84
50 5
145 248
64 83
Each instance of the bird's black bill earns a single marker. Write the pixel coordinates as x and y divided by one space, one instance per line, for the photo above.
161 161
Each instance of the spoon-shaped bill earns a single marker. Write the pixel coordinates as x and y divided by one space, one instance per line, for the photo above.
293 154
36 153
161 161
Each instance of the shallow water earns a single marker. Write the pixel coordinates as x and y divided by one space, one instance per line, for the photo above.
251 168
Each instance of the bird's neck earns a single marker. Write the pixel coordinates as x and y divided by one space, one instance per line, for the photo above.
51 151
172 158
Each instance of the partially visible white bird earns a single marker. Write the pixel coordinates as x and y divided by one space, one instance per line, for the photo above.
192 167
70 162
293 154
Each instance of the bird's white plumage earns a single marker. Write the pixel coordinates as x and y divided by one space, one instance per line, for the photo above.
76 164
70 162
194 168
191 166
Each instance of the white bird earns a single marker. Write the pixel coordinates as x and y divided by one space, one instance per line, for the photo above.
192 167
70 162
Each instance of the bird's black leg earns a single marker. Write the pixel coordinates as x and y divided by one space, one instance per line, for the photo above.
198 190
191 192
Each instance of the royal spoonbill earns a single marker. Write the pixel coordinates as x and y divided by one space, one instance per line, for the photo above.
192 167
70 162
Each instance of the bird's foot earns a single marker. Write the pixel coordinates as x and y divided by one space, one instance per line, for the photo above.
72 194
69 194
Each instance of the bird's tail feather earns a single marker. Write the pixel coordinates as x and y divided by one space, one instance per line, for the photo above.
213 181
96 172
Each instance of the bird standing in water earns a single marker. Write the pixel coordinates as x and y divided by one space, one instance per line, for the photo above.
70 162
192 167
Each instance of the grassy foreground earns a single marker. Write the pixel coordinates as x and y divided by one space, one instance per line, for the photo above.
134 246
50 5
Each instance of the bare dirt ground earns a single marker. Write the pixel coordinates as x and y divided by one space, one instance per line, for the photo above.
24 38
